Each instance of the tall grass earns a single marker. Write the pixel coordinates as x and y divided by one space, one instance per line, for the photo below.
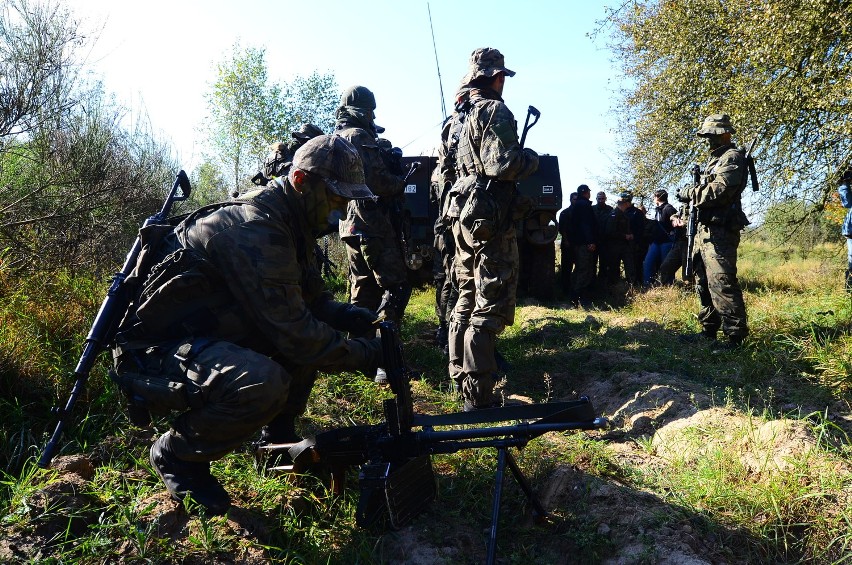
796 364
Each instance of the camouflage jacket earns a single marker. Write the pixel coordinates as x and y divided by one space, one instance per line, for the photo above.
254 281
718 196
369 218
722 180
489 146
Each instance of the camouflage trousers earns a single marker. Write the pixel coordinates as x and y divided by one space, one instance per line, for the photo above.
445 286
719 292
224 393
376 265
487 277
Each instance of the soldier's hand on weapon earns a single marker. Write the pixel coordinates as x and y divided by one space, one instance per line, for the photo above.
356 320
684 194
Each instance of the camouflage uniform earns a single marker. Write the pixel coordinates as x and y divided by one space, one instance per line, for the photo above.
489 162
720 220
234 319
378 275
446 287
281 154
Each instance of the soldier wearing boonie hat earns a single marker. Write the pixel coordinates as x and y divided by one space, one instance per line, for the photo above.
281 154
488 154
717 199
236 297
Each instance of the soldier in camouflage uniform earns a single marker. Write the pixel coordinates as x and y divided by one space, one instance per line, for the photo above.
446 289
489 162
378 276
234 312
281 154
720 220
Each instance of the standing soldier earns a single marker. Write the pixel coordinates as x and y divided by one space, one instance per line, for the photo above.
583 233
446 291
378 276
720 220
620 236
490 161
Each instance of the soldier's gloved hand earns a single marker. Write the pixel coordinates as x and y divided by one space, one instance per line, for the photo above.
365 355
355 320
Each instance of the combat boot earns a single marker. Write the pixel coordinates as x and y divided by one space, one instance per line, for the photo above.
733 342
188 478
442 339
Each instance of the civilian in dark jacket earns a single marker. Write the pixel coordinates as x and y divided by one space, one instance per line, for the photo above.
583 234
662 236
565 251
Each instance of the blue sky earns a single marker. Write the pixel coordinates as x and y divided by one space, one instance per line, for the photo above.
158 56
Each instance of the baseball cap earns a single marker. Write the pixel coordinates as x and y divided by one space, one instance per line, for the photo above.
337 162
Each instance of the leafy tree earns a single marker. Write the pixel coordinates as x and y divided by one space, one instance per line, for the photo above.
245 112
73 182
208 186
780 68
38 44
248 111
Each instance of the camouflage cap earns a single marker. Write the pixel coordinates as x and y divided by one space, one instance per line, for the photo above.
625 196
306 132
359 97
337 162
487 62
716 124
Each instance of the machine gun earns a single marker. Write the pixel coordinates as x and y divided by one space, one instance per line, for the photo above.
109 316
396 477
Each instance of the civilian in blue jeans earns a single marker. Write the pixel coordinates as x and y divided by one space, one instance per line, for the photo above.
662 235
845 191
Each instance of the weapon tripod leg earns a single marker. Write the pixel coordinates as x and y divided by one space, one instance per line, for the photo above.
540 512
495 507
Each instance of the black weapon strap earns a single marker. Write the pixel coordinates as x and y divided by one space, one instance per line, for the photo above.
575 411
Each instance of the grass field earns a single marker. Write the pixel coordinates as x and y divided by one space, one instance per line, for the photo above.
739 457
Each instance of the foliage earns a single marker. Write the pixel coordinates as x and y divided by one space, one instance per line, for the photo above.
38 70
208 186
793 222
75 182
780 68
248 111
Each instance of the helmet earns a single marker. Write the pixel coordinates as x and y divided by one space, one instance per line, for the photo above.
359 97
486 62
306 132
337 162
716 124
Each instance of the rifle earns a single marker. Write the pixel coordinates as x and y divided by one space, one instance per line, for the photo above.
692 227
396 477
109 316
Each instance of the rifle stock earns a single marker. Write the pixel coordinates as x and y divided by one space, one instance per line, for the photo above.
109 316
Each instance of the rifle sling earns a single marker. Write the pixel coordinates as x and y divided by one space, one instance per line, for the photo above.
575 411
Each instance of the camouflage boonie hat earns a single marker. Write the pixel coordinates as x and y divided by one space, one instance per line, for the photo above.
358 97
716 124
337 162
306 131
487 62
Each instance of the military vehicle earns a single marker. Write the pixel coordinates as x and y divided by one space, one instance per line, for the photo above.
536 234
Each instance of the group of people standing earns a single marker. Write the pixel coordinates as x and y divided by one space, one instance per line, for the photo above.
231 321
602 244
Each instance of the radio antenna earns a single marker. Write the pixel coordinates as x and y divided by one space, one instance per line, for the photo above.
440 84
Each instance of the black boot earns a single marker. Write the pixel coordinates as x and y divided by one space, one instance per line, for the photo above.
188 478
442 339
282 429
733 342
